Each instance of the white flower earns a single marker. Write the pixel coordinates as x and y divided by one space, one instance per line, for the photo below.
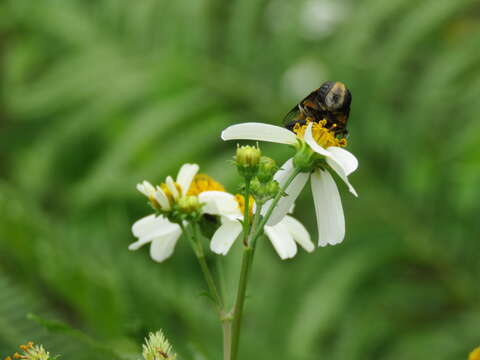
158 230
284 235
328 206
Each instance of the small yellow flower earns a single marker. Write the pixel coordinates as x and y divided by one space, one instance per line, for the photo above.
31 352
178 197
157 347
475 354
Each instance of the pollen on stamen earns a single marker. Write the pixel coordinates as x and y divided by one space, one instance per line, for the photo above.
324 136
202 183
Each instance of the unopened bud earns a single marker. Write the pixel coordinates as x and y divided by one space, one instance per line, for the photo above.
247 159
304 158
189 204
272 188
266 169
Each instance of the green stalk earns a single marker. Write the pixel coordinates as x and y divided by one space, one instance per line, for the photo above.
247 260
206 271
246 212
276 199
207 274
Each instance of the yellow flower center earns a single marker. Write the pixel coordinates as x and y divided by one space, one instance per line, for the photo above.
241 204
324 136
201 183
475 354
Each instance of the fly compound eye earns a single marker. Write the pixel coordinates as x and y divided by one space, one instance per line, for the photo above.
335 98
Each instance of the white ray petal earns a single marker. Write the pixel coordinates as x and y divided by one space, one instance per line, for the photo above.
338 168
162 199
298 232
308 137
185 176
348 161
293 190
328 208
151 226
162 247
145 188
171 186
281 240
260 132
225 236
219 203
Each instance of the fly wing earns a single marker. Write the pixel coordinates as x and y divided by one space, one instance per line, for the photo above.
292 117
298 111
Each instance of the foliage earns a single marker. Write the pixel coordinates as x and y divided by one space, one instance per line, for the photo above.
98 95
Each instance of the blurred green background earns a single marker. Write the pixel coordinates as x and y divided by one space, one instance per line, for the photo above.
98 95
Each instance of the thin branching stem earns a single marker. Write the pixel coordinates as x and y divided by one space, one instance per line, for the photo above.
247 260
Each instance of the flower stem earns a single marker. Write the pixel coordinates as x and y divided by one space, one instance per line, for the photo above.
246 212
276 199
207 274
227 339
247 261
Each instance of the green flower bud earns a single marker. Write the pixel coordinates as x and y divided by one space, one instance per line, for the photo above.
304 158
266 169
256 186
247 159
272 188
189 204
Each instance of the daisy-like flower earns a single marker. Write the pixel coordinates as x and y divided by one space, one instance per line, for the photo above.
157 230
323 142
284 235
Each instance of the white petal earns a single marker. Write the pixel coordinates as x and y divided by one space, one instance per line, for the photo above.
348 161
151 224
338 168
225 236
260 132
298 232
162 247
150 227
162 199
171 186
292 192
328 208
145 188
281 240
308 137
219 203
185 176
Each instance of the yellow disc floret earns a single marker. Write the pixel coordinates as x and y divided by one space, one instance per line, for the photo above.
475 354
324 136
241 203
201 183
31 352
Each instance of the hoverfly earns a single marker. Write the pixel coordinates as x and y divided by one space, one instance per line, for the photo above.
331 101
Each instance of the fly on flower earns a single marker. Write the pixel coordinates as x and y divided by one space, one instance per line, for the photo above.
330 102
318 150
